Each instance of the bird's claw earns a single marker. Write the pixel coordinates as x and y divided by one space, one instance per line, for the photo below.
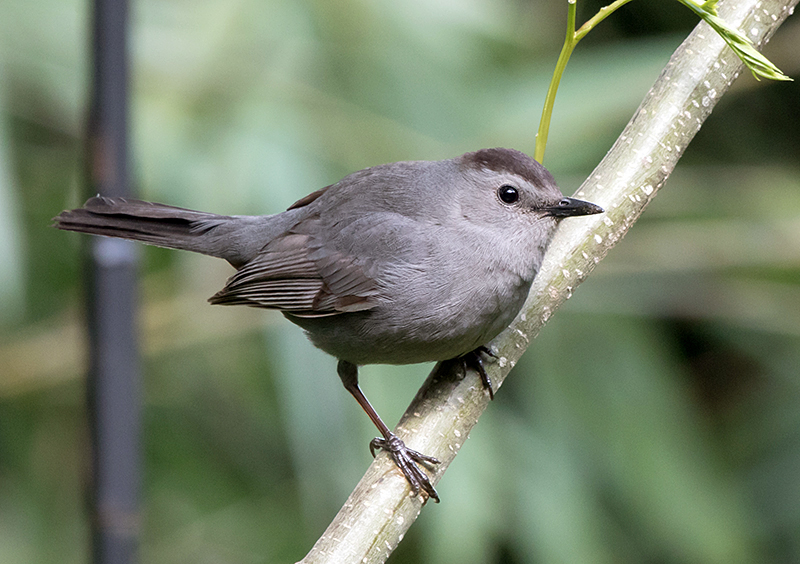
406 460
474 359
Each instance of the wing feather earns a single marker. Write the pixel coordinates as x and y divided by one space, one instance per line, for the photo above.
296 275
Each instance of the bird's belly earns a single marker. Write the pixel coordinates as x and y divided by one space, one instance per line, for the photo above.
405 333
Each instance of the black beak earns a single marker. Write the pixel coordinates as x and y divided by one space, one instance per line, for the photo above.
569 207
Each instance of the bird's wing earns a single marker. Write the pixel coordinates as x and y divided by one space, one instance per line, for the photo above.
296 274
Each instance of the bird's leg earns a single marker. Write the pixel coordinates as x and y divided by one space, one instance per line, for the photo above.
473 358
405 458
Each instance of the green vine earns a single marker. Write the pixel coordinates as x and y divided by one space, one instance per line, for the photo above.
758 64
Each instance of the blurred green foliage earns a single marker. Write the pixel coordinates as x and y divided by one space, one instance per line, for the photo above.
654 420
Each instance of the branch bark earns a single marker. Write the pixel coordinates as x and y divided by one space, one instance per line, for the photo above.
380 510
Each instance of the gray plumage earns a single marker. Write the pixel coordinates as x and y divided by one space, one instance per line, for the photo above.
395 264
399 263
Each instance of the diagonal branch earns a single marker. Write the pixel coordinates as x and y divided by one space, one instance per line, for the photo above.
380 510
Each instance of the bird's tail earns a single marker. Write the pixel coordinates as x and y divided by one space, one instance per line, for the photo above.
156 224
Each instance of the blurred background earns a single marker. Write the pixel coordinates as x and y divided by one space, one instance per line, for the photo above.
656 418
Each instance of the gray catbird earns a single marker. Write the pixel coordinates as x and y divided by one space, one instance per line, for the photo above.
396 264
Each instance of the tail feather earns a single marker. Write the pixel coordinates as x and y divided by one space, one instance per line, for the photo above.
156 224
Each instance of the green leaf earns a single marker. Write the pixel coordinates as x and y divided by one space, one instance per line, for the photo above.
758 64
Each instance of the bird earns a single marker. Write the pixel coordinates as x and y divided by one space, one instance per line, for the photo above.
400 263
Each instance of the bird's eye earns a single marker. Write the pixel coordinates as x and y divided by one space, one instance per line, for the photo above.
508 194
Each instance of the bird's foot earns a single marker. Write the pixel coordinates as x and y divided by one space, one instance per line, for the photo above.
407 459
475 360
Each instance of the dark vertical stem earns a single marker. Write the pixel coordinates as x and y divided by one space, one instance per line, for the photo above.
114 379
